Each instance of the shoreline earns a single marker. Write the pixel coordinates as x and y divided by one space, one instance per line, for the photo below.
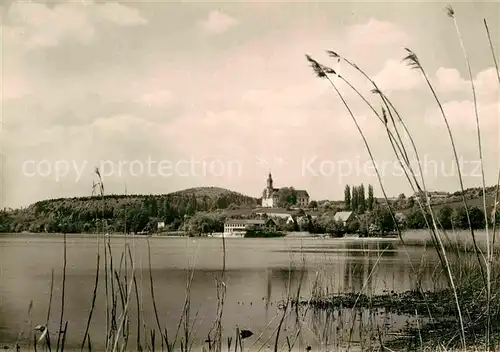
293 235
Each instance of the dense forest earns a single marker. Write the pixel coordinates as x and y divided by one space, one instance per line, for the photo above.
119 213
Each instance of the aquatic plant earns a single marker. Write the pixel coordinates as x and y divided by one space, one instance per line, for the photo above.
452 269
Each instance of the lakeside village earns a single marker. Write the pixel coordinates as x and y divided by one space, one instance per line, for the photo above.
285 211
213 212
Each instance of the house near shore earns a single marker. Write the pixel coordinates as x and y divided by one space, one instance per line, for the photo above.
242 225
289 216
344 216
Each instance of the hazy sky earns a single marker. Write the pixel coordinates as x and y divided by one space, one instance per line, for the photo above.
166 96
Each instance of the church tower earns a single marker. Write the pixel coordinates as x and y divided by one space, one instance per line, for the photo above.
268 193
270 182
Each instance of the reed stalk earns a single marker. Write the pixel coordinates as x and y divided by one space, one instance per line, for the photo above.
360 292
61 317
186 306
113 292
497 190
221 294
414 62
92 306
285 309
64 336
321 71
153 298
139 344
30 319
100 184
125 328
451 14
124 313
389 108
47 338
86 335
400 147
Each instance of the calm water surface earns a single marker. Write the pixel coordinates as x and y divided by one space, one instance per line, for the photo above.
258 274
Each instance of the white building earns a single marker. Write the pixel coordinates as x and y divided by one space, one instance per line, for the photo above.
270 196
241 225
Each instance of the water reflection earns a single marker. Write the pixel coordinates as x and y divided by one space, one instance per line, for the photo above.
260 273
371 249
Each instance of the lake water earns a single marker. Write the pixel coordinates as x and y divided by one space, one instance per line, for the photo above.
257 278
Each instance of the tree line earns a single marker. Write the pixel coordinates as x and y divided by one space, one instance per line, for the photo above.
355 200
115 213
197 214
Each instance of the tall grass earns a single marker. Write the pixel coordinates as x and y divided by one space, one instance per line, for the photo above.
451 14
62 333
497 191
414 62
399 149
397 145
323 71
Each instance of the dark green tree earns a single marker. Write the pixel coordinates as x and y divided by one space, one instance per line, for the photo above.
410 202
362 200
382 218
369 202
347 197
354 199
154 207
222 202
445 217
476 214
416 219
287 196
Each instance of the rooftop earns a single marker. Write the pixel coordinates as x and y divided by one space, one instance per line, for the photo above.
301 193
342 215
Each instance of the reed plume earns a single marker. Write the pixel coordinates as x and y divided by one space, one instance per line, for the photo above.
322 71
451 14
497 191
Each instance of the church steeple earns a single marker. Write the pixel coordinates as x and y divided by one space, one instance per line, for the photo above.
270 181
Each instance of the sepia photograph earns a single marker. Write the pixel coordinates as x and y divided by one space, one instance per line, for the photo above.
249 175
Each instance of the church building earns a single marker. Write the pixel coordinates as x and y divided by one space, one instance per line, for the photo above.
270 195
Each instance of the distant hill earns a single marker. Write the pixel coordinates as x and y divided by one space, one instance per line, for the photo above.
120 212
473 196
212 193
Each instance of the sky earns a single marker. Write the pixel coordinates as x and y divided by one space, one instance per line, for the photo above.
163 96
